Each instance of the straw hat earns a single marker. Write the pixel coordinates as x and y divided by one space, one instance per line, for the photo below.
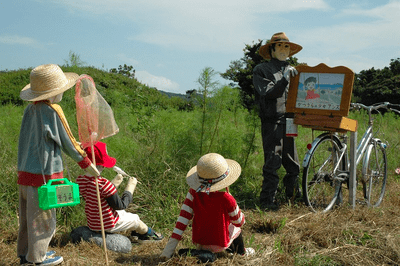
279 37
212 173
47 81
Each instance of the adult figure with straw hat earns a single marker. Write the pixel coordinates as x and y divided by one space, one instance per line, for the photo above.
44 135
271 83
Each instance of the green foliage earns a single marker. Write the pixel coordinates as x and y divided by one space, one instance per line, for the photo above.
11 84
124 70
207 88
159 143
74 60
378 85
240 72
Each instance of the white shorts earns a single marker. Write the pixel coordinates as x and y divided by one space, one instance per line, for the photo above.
127 221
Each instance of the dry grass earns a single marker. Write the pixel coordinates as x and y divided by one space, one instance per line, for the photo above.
290 236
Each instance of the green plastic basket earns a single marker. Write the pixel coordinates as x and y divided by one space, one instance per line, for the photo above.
58 195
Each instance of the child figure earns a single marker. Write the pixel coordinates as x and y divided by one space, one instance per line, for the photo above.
44 135
217 219
310 83
115 218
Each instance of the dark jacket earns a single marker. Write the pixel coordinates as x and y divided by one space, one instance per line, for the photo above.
271 90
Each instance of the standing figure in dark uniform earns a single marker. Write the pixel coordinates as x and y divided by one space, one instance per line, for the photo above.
271 82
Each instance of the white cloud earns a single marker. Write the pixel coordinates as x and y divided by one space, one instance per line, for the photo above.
371 41
161 83
207 25
127 60
15 39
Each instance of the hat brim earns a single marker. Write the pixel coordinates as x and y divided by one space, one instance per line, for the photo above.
264 50
109 162
192 178
27 94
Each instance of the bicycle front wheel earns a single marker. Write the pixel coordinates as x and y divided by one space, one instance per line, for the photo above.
375 173
320 187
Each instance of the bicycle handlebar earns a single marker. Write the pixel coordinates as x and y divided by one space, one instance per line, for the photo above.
376 107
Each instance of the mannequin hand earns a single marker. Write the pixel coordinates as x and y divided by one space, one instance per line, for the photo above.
289 71
169 248
92 170
117 180
130 187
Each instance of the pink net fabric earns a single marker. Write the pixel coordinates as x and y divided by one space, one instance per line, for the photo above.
94 116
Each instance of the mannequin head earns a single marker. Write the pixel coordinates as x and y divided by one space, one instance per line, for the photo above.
280 51
57 98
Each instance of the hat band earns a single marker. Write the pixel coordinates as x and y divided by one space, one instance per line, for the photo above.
206 183
43 92
281 40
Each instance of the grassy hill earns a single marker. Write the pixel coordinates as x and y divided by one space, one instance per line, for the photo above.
159 141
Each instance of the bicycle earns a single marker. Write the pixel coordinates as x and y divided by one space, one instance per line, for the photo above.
326 166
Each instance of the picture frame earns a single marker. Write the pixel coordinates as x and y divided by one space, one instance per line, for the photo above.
321 90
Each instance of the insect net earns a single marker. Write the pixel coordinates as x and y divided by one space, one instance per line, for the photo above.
94 116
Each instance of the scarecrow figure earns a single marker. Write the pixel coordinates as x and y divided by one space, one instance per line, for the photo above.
115 218
217 219
271 82
44 135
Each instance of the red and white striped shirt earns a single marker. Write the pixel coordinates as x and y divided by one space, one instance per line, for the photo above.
87 189
211 215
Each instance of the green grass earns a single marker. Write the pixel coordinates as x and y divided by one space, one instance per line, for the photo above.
159 144
159 147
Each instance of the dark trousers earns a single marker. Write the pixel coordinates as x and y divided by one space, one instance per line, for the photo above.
278 150
237 245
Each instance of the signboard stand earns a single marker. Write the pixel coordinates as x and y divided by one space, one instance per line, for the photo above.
319 97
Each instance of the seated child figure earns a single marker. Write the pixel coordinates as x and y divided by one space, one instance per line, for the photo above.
115 218
217 219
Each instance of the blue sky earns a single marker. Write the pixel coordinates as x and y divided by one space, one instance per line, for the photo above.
169 42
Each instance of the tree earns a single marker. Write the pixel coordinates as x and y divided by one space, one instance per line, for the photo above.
206 89
378 85
125 70
74 60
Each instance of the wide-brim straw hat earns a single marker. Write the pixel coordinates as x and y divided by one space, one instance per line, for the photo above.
210 168
47 81
276 38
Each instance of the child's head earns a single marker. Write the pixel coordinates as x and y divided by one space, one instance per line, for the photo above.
48 82
101 156
212 173
310 82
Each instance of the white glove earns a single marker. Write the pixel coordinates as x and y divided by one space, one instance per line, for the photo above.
130 187
289 71
92 170
117 180
169 248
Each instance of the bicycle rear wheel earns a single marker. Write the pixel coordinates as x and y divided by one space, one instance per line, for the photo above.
375 173
320 187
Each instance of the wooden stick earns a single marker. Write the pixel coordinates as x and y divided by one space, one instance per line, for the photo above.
100 210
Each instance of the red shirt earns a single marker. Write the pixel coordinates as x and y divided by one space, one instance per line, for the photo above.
87 189
211 215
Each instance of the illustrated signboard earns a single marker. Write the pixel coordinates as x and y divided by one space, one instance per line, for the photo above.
321 90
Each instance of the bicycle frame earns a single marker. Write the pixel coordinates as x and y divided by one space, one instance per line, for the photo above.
324 175
361 148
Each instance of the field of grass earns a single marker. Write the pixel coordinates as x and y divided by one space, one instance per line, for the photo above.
159 146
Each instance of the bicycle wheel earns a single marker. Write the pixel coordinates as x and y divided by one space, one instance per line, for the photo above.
320 187
375 173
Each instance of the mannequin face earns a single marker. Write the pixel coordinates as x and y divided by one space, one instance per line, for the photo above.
57 98
281 52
